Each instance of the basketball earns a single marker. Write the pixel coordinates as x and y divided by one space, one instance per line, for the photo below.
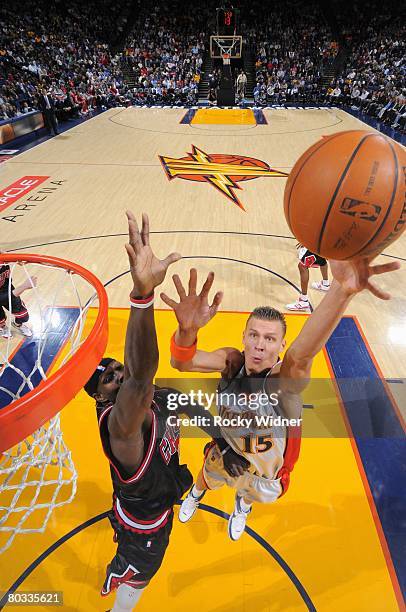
345 196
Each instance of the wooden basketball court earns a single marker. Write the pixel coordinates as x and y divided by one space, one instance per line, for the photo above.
334 541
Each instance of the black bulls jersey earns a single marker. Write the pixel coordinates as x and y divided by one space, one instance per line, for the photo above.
143 501
5 279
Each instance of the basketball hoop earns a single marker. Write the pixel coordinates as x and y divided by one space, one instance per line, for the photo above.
221 46
226 59
36 467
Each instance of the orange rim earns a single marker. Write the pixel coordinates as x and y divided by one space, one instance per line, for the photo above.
30 412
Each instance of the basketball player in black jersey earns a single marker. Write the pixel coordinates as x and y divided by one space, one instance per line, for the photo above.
10 300
308 260
138 442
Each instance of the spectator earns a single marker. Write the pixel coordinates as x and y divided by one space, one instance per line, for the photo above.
46 105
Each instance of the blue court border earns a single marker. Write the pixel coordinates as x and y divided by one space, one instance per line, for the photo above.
26 354
377 432
253 534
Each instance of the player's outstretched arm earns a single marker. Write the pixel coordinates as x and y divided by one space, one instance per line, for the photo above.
29 283
141 348
193 312
350 278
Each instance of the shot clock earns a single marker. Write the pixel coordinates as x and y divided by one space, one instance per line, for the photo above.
227 20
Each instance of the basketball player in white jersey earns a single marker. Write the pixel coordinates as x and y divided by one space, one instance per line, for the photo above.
271 451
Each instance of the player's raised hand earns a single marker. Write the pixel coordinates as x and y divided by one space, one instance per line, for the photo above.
147 270
193 311
354 276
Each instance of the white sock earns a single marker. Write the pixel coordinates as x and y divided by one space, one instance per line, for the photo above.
244 506
196 493
126 598
325 283
303 298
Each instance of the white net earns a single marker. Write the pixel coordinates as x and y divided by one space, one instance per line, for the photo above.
38 475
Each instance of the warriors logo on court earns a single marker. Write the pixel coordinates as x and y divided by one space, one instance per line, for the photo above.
224 172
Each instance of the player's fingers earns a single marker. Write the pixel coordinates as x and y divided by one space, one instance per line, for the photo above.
216 303
145 229
379 293
387 267
172 257
133 232
207 285
192 281
171 303
217 299
132 257
179 287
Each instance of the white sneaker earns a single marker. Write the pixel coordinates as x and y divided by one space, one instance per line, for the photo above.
298 305
189 506
24 329
5 332
320 287
237 521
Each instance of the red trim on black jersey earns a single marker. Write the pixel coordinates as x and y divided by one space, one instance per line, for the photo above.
132 523
4 275
21 314
148 456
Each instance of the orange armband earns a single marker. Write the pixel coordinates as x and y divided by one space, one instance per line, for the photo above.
183 353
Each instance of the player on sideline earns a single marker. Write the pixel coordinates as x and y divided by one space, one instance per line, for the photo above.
272 451
18 309
308 260
137 440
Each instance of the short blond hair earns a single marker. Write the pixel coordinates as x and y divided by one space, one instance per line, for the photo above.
267 313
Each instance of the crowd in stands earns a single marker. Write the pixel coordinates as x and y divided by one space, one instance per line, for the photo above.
164 55
68 50
61 48
293 44
373 79
291 60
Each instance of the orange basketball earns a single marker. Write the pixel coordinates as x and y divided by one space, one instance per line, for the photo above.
346 195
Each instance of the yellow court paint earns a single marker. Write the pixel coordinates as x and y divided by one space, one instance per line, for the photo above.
322 527
224 116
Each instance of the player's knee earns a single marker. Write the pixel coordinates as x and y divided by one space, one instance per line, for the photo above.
127 596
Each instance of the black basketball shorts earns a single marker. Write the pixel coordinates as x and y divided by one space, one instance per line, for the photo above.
139 556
